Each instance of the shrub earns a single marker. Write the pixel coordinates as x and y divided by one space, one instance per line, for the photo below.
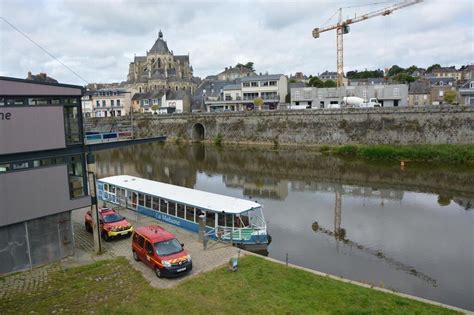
218 139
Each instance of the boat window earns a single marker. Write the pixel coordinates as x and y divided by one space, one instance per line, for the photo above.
242 221
190 213
229 219
180 212
141 200
106 187
171 208
221 219
163 205
210 219
156 203
112 189
148 201
199 213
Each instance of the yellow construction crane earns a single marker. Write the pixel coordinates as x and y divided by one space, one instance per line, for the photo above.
342 27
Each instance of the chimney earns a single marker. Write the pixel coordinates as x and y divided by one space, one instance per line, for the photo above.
226 68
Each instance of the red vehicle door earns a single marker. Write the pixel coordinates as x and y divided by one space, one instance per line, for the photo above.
149 254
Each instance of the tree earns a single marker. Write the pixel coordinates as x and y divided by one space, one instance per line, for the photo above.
404 77
154 108
316 82
450 97
395 70
258 102
330 83
248 65
432 67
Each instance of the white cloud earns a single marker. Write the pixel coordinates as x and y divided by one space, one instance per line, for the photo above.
99 38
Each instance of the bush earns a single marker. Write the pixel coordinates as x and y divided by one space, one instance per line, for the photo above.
347 150
218 139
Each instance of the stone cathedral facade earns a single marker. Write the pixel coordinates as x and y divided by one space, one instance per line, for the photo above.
161 69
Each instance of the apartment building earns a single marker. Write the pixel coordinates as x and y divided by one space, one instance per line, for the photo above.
110 102
272 89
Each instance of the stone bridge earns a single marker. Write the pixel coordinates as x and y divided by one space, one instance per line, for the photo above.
427 125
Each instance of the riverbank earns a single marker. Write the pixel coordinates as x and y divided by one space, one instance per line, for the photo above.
445 153
437 153
259 286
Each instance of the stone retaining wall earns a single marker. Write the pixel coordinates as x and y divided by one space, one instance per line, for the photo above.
428 125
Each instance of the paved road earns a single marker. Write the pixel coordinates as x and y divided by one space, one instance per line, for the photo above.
216 254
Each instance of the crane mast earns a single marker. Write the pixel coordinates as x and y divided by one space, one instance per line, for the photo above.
342 27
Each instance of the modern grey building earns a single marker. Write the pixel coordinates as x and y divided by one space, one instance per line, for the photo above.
310 97
42 171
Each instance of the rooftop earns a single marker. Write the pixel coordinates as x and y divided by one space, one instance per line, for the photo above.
262 77
192 197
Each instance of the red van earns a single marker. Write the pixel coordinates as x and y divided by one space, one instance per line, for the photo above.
161 251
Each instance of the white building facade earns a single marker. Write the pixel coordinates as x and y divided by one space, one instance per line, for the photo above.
111 102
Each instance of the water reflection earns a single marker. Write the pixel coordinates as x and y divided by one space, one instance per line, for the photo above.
410 230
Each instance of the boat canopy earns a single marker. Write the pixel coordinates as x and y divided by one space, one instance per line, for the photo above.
192 197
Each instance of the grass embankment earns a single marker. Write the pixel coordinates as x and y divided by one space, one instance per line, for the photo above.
259 286
446 153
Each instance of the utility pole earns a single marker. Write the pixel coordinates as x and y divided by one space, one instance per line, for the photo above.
94 210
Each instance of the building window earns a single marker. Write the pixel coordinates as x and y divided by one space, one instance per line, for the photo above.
265 83
97 103
441 93
254 83
72 126
112 103
145 102
273 83
471 85
103 103
118 102
246 84
76 176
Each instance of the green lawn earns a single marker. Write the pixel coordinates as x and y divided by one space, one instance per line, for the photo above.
259 286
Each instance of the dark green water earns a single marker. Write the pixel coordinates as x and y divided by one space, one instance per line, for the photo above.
411 230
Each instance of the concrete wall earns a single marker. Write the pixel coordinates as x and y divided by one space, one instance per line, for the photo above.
433 125
34 193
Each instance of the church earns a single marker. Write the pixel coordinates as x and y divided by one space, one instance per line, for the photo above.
161 69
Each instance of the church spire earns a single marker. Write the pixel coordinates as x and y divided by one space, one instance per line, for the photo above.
160 35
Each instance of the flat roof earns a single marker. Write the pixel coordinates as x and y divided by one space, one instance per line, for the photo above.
200 199
21 87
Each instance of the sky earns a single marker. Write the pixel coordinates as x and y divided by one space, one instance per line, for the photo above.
97 39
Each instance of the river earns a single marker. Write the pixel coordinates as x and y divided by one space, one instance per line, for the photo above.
410 229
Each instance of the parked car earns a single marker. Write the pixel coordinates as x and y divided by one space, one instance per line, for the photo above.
112 224
161 251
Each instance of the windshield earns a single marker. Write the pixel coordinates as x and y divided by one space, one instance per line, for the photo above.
114 217
168 247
